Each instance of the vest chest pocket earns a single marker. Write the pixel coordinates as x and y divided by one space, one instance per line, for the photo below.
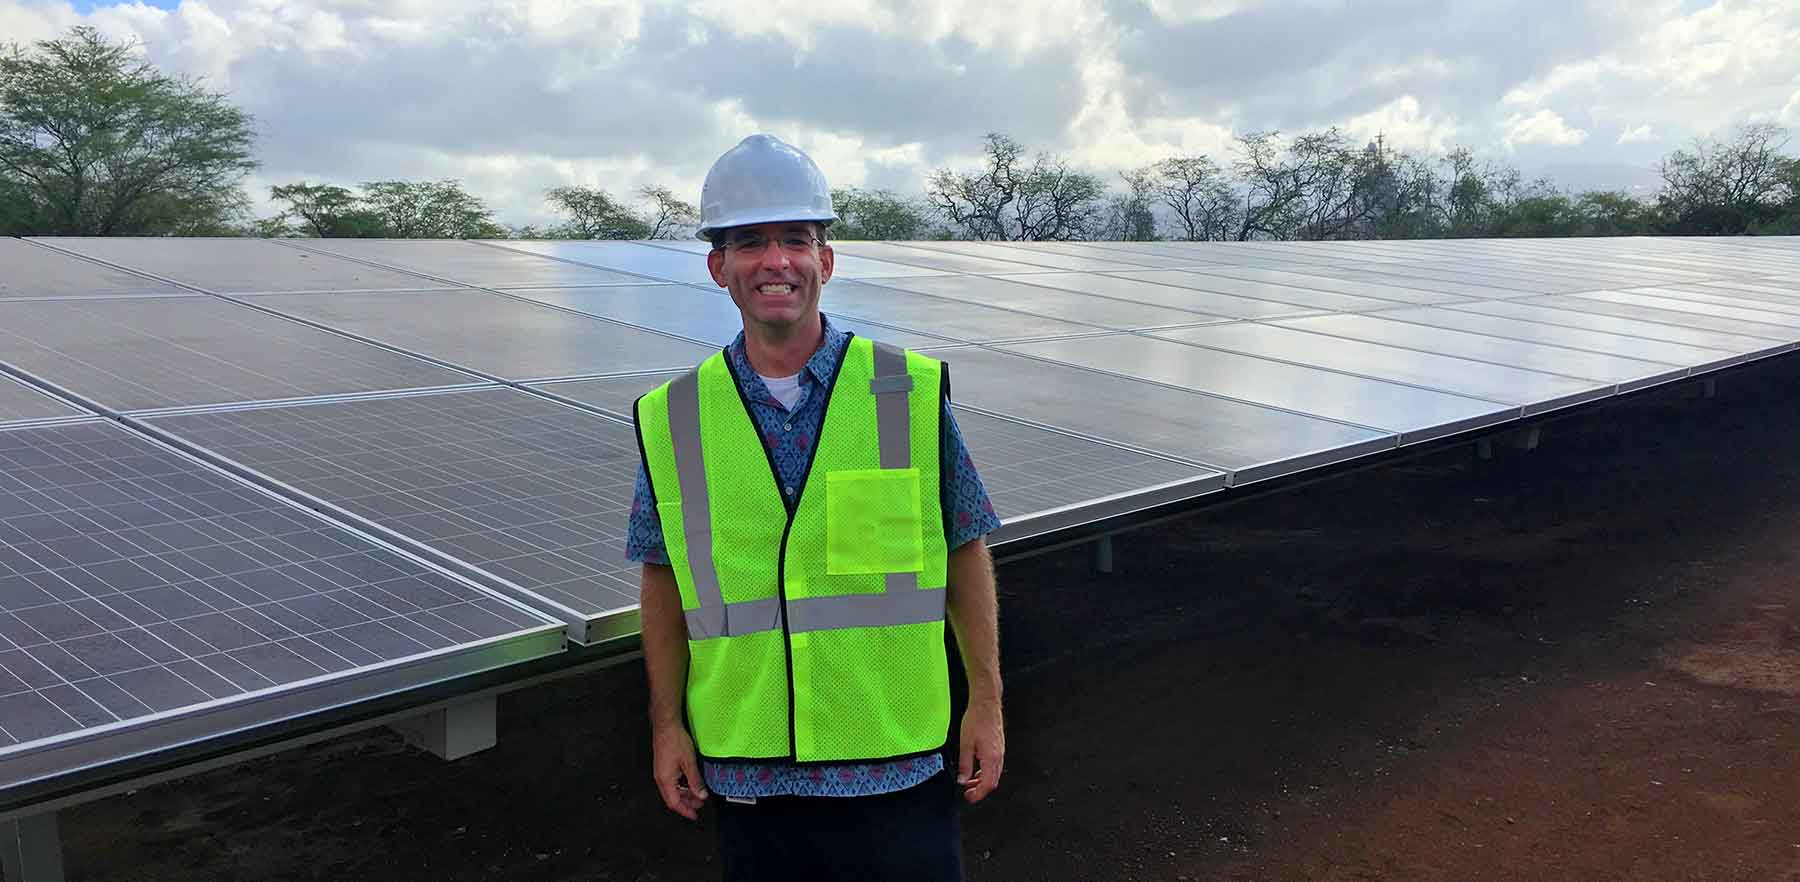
872 521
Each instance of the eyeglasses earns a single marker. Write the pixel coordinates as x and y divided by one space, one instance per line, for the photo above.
754 243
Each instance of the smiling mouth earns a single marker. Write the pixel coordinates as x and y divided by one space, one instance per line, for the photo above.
775 290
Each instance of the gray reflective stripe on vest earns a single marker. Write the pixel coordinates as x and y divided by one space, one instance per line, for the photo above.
832 613
893 423
710 620
901 603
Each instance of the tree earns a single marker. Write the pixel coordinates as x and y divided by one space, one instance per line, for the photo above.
1613 213
327 211
1046 200
428 210
1200 196
1131 215
667 217
878 214
594 214
1726 187
96 142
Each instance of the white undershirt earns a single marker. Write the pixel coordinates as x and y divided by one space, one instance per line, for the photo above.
785 389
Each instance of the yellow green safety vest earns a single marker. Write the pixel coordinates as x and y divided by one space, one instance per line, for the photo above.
815 622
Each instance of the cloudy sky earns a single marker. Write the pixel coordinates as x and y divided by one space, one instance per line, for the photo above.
514 96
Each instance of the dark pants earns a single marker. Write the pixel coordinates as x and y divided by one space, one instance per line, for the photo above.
912 834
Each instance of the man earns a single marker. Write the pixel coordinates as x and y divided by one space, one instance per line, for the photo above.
807 517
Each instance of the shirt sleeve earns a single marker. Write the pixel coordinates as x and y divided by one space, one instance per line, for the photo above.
970 511
644 538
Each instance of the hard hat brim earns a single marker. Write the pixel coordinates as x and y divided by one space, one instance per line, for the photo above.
752 218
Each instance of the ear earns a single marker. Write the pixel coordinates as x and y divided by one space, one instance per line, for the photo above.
715 264
827 262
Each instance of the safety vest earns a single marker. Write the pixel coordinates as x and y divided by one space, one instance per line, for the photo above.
815 618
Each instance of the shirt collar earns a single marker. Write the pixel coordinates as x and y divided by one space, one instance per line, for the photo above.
821 367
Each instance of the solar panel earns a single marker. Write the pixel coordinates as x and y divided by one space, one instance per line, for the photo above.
612 394
132 354
21 402
1658 299
935 260
140 590
492 333
957 319
1056 303
231 266
1783 304
1212 278
1225 297
1666 312
1629 373
1100 250
529 490
1631 327
35 271
644 260
1040 480
1412 413
1041 259
1534 390
470 263
1573 338
1246 441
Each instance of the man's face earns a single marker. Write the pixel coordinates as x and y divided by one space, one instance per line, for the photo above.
773 271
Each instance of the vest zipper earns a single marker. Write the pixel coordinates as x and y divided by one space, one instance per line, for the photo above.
793 507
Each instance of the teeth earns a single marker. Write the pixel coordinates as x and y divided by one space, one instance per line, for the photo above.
777 289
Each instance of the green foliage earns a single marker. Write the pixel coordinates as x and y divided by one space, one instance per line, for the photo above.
384 209
878 214
1725 188
96 142
593 213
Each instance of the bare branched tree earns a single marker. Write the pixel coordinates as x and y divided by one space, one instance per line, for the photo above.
1199 195
1007 199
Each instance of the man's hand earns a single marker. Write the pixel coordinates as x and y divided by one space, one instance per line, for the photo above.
677 771
983 750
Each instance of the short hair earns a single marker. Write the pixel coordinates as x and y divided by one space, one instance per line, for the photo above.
718 236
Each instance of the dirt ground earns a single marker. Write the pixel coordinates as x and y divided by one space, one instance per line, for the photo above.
1578 664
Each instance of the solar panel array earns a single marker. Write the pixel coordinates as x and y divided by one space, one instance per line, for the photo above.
235 468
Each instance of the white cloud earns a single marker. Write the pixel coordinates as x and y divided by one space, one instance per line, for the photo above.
515 96
1404 125
1543 127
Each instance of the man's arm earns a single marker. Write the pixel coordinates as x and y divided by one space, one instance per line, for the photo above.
673 761
974 614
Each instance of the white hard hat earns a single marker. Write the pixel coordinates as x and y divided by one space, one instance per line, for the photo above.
763 180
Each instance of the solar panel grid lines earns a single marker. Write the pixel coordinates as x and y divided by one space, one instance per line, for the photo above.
530 490
471 262
495 335
1765 325
1099 250
137 583
1018 294
123 355
1659 330
1037 259
1397 291
23 403
40 272
1534 390
1246 439
1597 342
1628 372
1371 408
234 265
1775 303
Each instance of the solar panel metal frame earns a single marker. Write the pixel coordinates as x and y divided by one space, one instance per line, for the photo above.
89 750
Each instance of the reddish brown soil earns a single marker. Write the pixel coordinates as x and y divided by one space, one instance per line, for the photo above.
1577 664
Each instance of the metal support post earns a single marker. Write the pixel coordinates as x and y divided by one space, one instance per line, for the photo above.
453 731
1709 387
1103 555
31 849
1484 449
1529 437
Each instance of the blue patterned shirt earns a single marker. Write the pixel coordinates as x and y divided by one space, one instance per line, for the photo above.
790 435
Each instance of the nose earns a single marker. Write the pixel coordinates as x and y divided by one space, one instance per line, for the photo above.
773 256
